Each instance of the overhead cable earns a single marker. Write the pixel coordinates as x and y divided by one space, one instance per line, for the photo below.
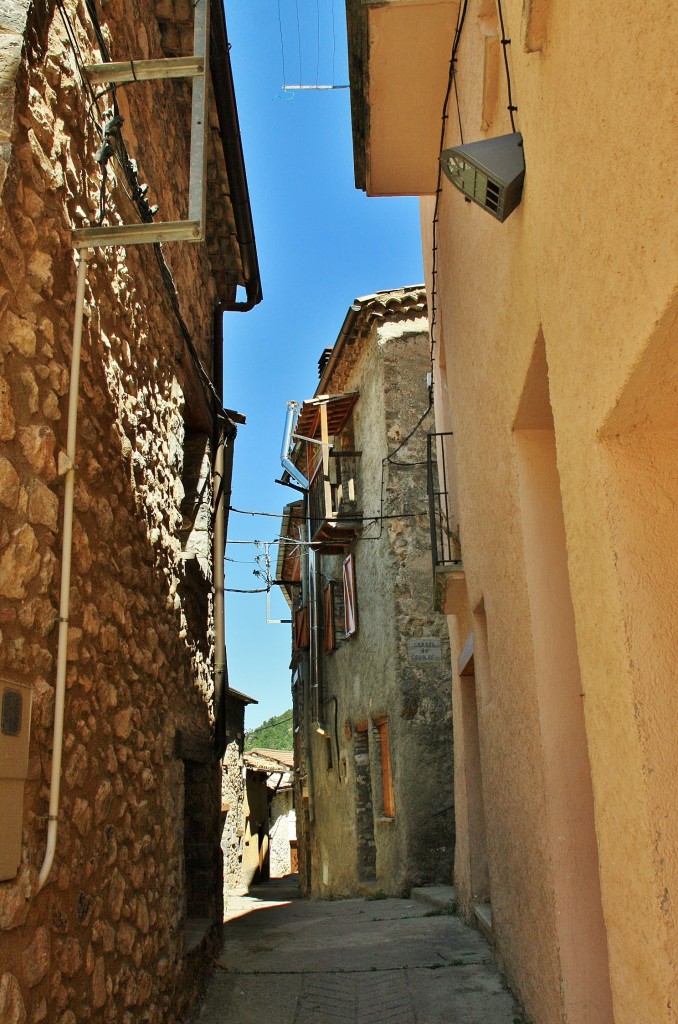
451 80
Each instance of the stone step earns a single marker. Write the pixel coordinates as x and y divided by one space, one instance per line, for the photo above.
442 897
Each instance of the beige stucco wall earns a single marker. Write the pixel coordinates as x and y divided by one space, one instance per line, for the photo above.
588 263
103 940
372 676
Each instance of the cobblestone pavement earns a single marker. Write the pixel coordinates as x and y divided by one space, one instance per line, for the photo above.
292 961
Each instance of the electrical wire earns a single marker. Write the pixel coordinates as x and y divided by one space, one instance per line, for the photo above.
317 59
282 45
461 17
129 172
389 457
296 4
273 725
336 519
256 590
504 43
334 42
456 96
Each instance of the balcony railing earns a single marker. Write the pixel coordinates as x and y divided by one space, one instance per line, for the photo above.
445 548
334 513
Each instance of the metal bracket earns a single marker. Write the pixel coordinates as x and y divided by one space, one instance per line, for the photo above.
194 67
313 440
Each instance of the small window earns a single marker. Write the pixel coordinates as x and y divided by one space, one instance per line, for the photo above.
387 797
350 605
329 640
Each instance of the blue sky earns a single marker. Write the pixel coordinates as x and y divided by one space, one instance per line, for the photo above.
320 243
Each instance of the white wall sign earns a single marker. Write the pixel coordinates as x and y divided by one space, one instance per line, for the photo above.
424 648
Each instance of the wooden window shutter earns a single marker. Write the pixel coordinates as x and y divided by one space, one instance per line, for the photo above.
302 637
328 619
350 606
388 799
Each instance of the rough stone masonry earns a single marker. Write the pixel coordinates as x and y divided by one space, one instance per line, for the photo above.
103 941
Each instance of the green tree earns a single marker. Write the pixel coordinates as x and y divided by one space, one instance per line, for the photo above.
275 733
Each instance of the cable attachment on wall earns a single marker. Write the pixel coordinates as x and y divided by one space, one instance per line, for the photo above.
506 42
111 130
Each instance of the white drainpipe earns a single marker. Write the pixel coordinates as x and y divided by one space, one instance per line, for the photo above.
67 469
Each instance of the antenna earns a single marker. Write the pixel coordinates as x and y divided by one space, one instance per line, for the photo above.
269 584
195 67
290 88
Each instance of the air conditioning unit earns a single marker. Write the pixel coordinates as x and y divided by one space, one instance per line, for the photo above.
489 173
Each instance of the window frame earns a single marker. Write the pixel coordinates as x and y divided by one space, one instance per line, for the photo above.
302 634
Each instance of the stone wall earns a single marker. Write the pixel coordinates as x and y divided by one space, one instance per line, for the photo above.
281 831
103 941
233 799
372 677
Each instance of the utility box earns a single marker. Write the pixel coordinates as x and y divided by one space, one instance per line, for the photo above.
489 172
15 731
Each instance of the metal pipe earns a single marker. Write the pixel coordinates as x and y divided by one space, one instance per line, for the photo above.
311 588
306 704
314 632
222 474
67 469
219 545
285 461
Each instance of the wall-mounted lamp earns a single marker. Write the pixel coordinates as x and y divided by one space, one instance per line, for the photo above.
489 173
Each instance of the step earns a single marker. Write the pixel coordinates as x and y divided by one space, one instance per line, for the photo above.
442 897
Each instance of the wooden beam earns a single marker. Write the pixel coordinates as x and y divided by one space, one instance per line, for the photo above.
325 440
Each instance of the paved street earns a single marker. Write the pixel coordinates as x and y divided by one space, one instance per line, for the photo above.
296 961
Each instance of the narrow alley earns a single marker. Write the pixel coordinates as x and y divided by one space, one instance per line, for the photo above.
389 960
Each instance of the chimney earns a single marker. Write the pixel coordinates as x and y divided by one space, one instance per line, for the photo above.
323 361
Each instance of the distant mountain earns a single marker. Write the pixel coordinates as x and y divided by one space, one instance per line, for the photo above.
276 733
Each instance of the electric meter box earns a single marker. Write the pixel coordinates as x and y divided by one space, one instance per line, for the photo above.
15 731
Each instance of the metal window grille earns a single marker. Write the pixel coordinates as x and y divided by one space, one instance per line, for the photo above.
444 543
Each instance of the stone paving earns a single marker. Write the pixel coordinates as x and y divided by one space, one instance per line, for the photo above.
293 961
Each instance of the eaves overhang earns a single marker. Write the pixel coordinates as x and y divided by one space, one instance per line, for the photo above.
241 698
396 304
231 244
398 56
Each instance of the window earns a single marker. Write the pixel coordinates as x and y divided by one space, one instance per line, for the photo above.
350 606
387 797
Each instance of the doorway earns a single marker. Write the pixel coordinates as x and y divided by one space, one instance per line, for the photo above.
579 922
